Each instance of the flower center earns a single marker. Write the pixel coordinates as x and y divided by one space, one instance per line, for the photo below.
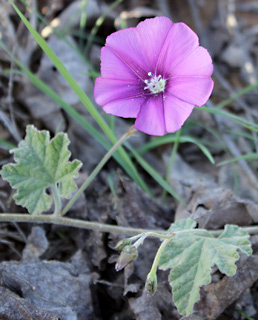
155 84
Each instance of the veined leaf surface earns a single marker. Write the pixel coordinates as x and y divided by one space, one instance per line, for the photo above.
193 252
41 163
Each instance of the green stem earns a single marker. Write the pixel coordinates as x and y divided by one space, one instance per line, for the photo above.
158 255
98 24
102 227
83 20
57 199
97 169
75 223
171 161
140 240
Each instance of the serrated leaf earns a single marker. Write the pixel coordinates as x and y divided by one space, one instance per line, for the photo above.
41 163
191 255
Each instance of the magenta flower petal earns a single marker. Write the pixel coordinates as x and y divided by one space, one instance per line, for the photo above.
193 90
196 63
156 73
176 112
126 45
126 108
180 42
151 117
113 67
153 34
109 90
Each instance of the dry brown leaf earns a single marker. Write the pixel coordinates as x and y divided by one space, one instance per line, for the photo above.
213 208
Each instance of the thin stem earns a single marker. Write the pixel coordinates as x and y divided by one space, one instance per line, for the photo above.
83 20
57 199
102 227
97 169
158 234
171 161
75 223
155 263
140 240
97 25
162 235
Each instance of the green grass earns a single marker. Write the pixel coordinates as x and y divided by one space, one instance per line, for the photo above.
239 120
6 145
172 138
127 163
249 156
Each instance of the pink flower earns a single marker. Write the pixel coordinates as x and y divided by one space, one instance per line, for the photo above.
156 73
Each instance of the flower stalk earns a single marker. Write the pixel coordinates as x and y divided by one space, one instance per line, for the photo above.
158 255
97 169
151 280
171 161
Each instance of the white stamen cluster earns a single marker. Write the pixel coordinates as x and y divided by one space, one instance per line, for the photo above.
155 84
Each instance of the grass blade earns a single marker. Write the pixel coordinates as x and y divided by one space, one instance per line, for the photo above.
237 95
154 174
249 156
243 122
172 138
6 145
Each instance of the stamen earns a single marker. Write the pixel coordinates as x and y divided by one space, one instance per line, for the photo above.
156 84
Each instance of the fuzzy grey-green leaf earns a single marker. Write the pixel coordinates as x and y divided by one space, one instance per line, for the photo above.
41 163
192 253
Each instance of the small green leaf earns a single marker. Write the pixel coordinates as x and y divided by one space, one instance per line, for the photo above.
192 253
41 163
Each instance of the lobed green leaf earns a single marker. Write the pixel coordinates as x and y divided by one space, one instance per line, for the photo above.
41 163
192 253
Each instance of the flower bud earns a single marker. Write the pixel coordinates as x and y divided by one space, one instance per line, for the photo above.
122 243
128 254
151 283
